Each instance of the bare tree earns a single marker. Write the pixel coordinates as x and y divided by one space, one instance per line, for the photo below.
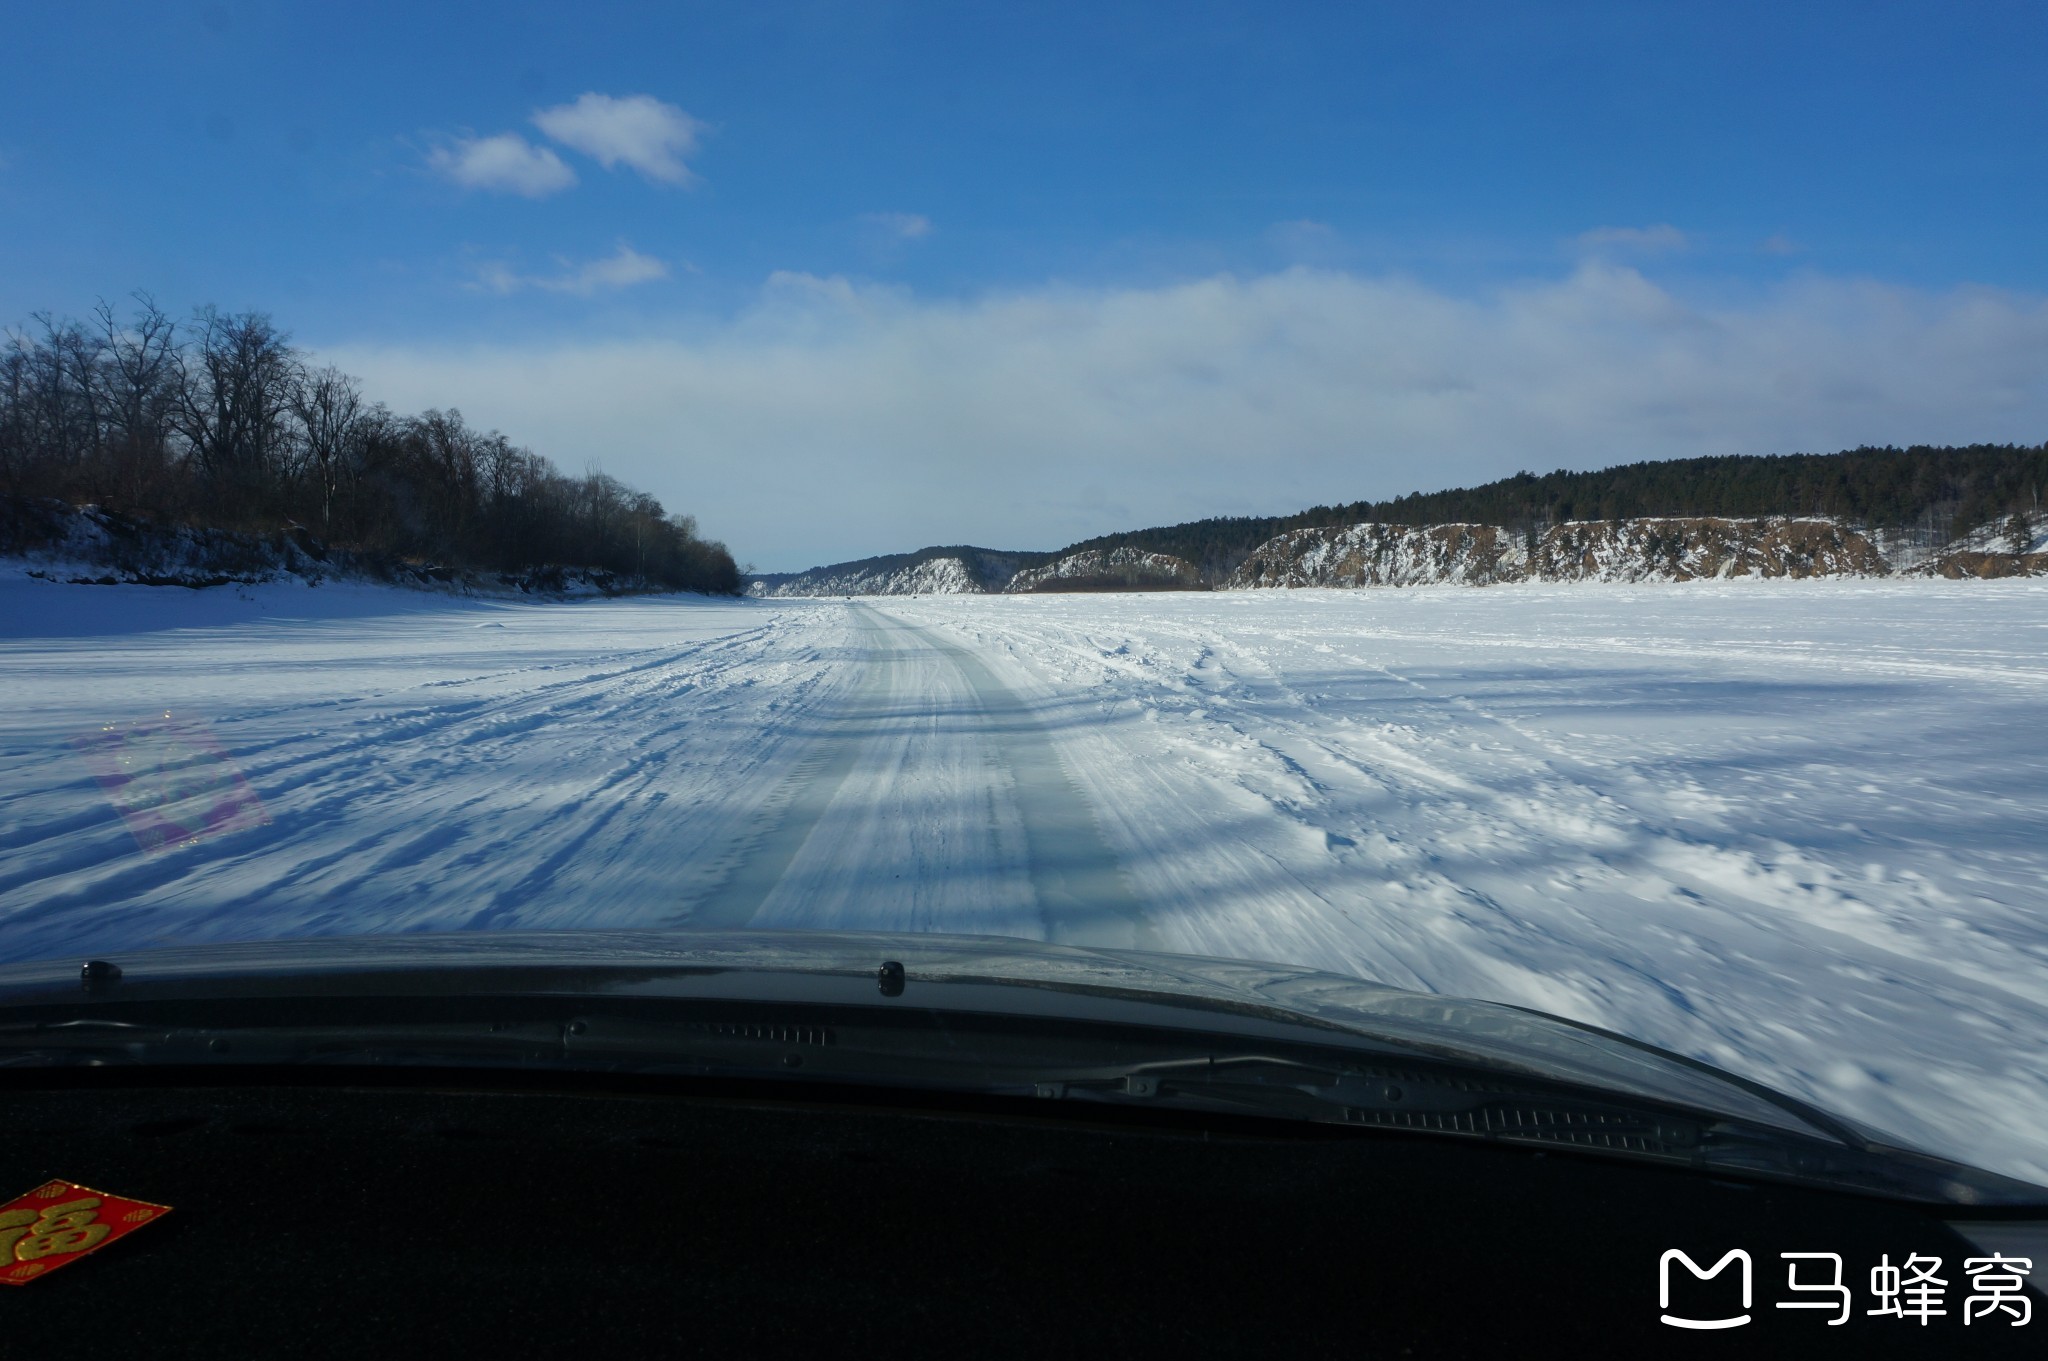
235 403
60 393
142 377
220 422
331 415
19 450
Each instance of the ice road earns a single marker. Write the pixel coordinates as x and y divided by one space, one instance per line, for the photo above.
1799 830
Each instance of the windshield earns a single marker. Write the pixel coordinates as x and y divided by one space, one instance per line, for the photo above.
1533 507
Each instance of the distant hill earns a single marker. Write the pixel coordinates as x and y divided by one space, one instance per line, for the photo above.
954 569
1941 491
1916 501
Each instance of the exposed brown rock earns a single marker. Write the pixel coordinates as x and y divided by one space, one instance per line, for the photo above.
1119 569
1662 549
1959 565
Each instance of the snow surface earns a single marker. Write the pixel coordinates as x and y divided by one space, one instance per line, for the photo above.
1797 829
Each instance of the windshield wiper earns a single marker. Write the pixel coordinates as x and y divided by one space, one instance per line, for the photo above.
920 1050
1486 1108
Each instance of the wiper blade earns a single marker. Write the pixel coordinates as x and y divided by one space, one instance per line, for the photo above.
919 1050
1485 1108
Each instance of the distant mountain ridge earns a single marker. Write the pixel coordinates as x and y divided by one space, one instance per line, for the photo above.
952 570
1942 510
1940 492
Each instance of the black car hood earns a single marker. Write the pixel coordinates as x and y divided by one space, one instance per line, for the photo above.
983 975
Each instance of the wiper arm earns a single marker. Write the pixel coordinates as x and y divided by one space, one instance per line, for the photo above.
1508 1111
929 1051
1388 1098
1243 1083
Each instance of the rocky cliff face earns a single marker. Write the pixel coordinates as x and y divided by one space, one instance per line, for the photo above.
1116 569
956 570
1687 549
1385 555
1663 549
933 576
982 572
1972 563
2014 547
1669 548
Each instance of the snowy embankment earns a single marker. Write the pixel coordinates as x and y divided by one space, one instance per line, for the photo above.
1799 830
933 576
54 541
1663 548
1109 569
1631 551
930 571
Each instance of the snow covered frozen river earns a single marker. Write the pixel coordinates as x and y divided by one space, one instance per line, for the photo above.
1799 830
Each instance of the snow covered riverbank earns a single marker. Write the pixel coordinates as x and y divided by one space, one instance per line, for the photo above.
1797 829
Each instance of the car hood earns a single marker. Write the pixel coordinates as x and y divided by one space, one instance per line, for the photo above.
983 975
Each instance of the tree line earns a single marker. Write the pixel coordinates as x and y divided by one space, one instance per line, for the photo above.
1939 492
219 421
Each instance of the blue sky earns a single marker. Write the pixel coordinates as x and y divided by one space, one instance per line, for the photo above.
850 278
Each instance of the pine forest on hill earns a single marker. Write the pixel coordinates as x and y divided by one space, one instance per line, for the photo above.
1941 491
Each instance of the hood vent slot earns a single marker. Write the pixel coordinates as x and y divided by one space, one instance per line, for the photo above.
1583 1128
767 1032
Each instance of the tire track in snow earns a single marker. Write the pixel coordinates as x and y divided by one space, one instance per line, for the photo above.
792 813
1573 877
539 793
1078 887
1075 876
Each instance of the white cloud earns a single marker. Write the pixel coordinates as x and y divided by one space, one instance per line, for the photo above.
623 268
899 226
506 163
1661 239
1777 243
832 419
638 130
